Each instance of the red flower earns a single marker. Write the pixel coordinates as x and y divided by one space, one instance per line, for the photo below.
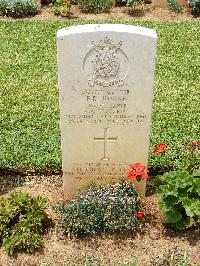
137 171
139 215
160 148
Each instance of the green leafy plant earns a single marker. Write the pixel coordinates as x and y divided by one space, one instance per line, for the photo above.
133 3
174 6
113 207
195 6
179 198
96 6
18 8
62 7
22 221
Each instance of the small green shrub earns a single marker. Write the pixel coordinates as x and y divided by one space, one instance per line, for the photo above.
174 6
61 7
96 6
133 3
18 8
22 220
195 6
113 207
179 198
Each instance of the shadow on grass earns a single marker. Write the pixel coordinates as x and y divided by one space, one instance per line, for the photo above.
4 171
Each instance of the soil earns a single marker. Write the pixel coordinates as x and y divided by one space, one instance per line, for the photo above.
146 12
153 243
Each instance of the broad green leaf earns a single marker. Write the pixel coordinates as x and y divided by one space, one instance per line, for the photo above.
181 224
197 186
174 216
171 200
192 207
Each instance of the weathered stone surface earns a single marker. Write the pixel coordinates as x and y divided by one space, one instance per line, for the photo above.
106 75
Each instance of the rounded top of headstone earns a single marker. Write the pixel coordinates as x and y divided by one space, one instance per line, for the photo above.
87 28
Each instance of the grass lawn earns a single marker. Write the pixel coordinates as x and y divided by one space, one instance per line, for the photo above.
29 111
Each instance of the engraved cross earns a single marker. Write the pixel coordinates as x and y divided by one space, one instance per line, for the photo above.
105 139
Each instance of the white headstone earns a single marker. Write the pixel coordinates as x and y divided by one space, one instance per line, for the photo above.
106 75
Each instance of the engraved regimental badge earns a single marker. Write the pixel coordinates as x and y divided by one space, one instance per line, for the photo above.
106 64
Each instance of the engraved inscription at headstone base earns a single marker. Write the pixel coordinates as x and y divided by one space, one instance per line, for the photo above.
105 75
